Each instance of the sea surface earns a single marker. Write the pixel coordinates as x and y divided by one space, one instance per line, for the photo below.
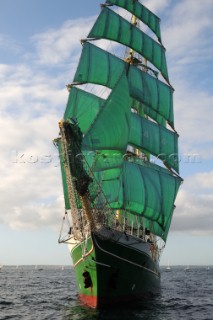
41 292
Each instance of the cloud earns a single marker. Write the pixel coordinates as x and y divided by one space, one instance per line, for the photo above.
185 22
189 42
24 89
193 115
31 191
33 98
32 103
155 6
193 213
32 196
187 34
56 46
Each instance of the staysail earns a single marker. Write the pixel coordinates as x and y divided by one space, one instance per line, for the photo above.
116 131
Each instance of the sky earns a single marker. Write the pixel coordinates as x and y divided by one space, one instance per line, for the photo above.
39 51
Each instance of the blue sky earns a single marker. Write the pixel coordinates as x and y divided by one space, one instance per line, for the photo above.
39 50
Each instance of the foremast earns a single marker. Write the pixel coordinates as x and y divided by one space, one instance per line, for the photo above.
82 220
79 182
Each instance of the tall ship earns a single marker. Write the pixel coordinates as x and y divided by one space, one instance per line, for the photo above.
118 151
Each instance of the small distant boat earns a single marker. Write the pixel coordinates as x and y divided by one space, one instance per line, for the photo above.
38 268
187 268
168 268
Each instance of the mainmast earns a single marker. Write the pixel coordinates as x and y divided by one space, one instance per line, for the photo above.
130 59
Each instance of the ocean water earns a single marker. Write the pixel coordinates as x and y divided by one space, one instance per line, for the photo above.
40 293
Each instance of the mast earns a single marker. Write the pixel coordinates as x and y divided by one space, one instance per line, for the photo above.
129 59
79 220
76 218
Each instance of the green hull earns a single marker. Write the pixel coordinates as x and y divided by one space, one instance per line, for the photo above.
114 271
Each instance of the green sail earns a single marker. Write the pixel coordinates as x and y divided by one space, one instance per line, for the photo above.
104 123
100 67
152 92
64 180
157 228
149 192
142 109
103 159
110 128
110 25
144 190
84 106
141 12
90 112
155 139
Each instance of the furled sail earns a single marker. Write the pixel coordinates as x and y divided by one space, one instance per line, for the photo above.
63 174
